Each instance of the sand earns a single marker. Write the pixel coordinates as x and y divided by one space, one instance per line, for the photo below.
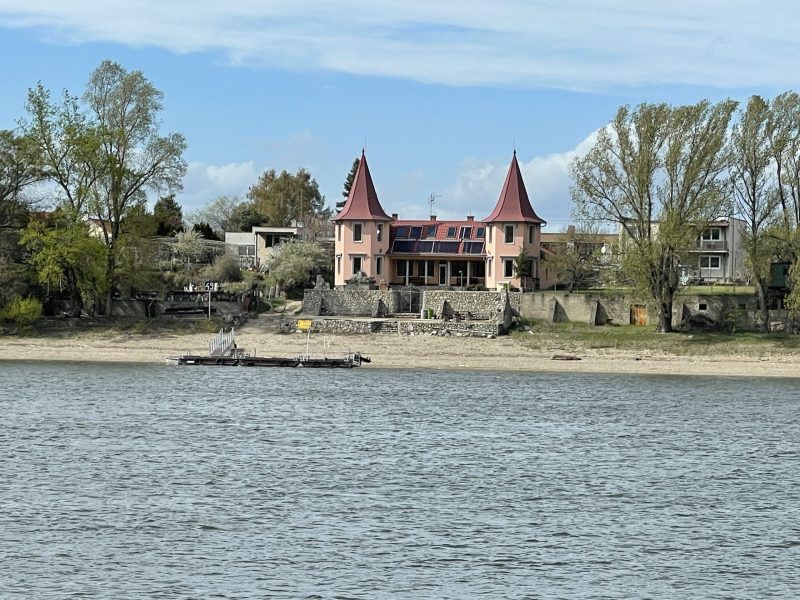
395 351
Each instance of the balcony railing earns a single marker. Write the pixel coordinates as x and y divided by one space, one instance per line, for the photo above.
710 245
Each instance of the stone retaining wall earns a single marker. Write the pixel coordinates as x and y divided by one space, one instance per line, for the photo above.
393 327
481 305
351 303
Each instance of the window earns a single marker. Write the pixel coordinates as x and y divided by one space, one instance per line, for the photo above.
416 233
479 233
378 264
431 231
451 232
338 232
247 250
508 267
401 267
702 306
338 264
711 234
490 235
425 268
400 232
379 232
531 233
466 233
709 262
357 232
509 234
356 264
489 268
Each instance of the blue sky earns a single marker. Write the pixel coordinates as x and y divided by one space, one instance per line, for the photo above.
440 92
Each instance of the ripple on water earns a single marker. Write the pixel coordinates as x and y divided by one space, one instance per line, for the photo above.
130 481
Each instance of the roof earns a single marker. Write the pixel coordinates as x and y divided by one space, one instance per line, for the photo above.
513 205
362 203
437 237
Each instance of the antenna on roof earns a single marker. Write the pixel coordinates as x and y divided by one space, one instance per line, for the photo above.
431 199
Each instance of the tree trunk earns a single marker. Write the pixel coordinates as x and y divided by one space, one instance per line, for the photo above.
762 304
75 300
665 317
110 280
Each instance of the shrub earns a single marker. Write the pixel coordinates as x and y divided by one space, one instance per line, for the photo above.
23 311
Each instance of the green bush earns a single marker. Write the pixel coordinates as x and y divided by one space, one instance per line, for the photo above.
22 311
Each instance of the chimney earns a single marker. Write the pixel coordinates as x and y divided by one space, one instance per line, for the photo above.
394 216
470 218
433 217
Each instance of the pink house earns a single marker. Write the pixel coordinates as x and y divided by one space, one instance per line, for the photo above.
430 252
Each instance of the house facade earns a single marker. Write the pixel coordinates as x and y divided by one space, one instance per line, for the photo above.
430 252
716 255
253 248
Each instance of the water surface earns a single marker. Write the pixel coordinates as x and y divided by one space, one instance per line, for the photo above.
131 481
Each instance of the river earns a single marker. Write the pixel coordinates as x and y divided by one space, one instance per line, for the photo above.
131 481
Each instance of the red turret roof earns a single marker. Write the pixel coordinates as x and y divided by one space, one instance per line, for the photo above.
362 203
513 205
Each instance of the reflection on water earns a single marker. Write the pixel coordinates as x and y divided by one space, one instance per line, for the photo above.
167 482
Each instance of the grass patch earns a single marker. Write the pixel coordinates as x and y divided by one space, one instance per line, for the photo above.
575 337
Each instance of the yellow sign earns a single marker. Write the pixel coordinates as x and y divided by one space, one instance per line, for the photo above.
304 324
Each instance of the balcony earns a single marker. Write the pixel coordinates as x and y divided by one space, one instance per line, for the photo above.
713 245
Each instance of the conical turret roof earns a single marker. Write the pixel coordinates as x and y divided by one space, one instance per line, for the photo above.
513 206
362 202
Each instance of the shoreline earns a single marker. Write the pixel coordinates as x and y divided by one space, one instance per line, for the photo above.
399 352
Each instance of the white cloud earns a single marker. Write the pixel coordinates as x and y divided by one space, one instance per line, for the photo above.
203 182
478 185
582 44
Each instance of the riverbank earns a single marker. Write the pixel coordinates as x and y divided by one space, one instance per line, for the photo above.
533 353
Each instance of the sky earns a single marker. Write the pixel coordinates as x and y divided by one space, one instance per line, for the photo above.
440 94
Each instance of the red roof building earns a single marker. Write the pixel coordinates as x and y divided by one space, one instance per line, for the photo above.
452 253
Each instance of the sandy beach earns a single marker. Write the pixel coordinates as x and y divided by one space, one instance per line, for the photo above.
396 351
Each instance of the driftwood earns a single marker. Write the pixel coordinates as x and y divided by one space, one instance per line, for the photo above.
565 357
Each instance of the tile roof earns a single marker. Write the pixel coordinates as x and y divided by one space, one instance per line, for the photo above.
513 204
362 204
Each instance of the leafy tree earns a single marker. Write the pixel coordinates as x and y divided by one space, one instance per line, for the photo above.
246 216
285 197
577 261
348 184
19 168
755 195
134 157
107 153
64 254
168 215
68 145
783 131
139 222
297 263
220 214
655 171
522 263
205 231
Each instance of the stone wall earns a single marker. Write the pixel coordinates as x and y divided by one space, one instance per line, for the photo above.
393 327
351 303
481 305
